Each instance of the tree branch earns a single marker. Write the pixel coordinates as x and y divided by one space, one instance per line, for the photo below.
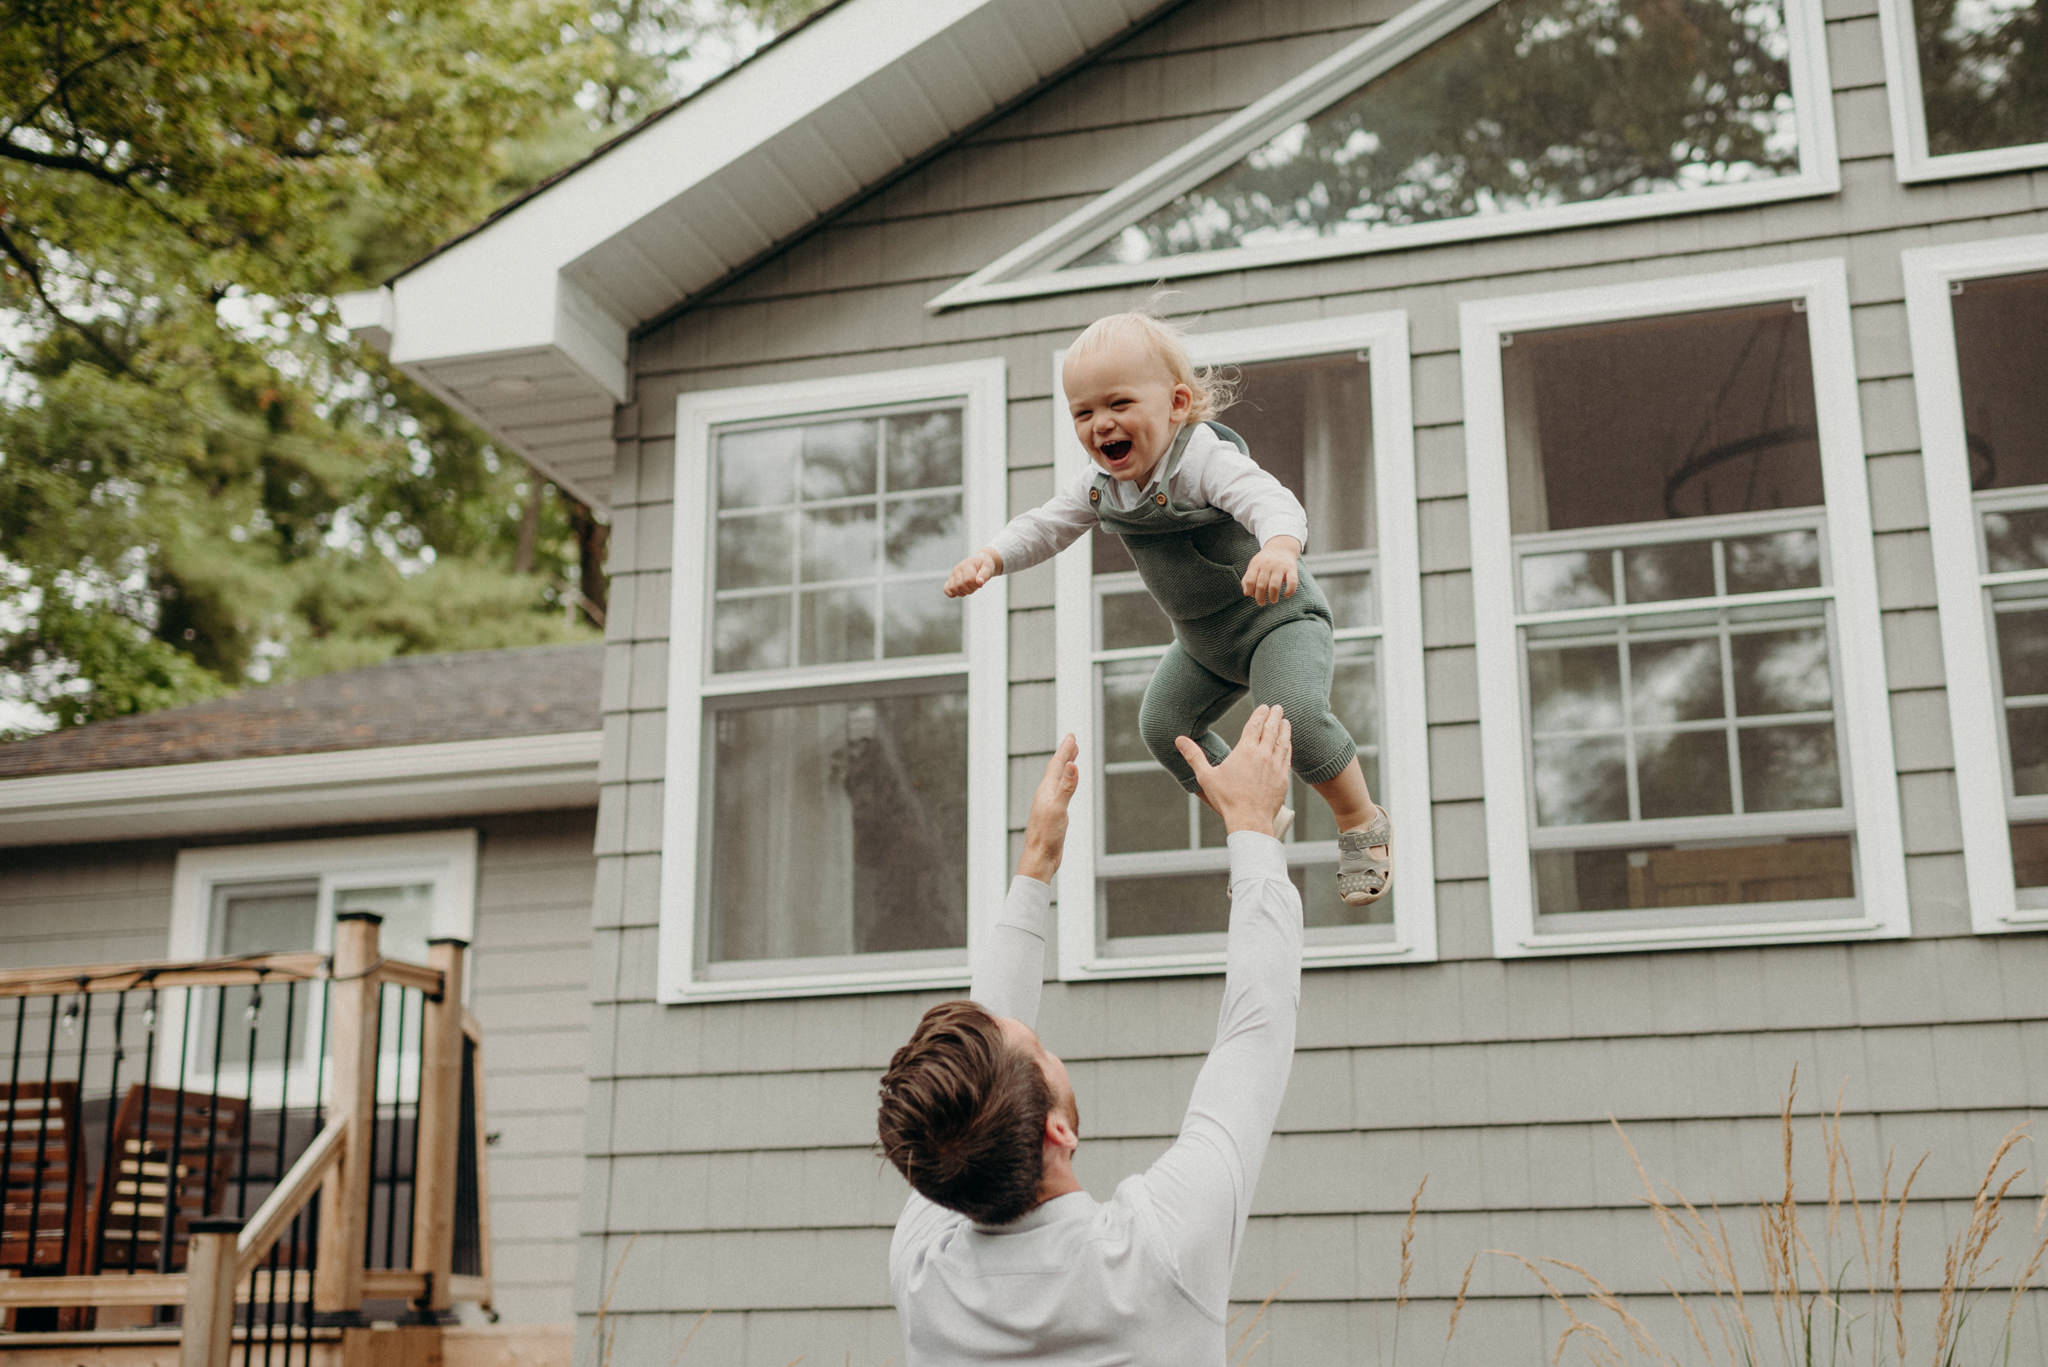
20 257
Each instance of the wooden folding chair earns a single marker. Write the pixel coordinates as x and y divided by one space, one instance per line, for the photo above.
42 1184
172 1161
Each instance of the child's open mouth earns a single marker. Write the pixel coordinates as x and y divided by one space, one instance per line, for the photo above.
1115 451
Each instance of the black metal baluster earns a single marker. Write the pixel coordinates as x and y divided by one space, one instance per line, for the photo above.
13 1096
412 1191
109 1168
220 1030
174 1178
284 1090
35 1194
376 1072
143 1144
397 1115
84 1049
253 1013
312 1245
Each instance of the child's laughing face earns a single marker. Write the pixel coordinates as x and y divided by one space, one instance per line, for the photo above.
1126 407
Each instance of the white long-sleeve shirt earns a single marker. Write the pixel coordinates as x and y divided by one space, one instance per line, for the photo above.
1144 1277
1212 473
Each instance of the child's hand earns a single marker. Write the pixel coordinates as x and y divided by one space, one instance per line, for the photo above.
1272 575
971 573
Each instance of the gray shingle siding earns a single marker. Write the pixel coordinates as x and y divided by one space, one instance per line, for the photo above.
731 1140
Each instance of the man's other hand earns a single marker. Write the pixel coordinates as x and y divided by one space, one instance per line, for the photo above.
1248 787
1045 830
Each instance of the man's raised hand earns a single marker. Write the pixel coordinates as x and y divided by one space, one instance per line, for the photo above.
1248 787
1045 830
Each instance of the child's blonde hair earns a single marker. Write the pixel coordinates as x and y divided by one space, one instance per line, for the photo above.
1214 391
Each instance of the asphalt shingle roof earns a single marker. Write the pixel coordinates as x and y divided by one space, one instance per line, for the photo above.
411 700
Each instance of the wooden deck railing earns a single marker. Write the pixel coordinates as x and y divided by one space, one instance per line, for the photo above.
308 1255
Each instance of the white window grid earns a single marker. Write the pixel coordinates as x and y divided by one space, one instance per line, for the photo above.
1197 857
1034 267
2019 807
1855 640
1911 159
798 587
698 692
1381 340
1955 532
1725 616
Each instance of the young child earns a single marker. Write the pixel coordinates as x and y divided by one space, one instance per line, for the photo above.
1217 541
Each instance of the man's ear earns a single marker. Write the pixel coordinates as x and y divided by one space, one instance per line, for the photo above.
1058 1132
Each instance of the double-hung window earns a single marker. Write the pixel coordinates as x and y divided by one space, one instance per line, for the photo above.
1325 409
1684 720
1980 360
231 901
835 777
1968 90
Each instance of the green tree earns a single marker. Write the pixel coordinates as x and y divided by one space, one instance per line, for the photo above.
203 481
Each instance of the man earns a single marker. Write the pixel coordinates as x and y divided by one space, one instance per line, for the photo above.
999 1255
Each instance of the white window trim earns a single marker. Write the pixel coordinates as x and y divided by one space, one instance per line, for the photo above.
1966 642
1822 287
447 859
982 385
1903 92
1033 268
1404 748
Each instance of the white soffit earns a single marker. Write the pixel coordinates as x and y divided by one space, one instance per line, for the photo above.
524 324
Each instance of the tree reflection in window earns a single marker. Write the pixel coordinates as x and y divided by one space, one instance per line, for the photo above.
1533 104
1983 73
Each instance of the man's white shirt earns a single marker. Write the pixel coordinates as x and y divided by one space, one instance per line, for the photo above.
1143 1277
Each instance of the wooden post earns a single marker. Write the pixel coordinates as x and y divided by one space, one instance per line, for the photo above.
433 1219
209 1329
344 1201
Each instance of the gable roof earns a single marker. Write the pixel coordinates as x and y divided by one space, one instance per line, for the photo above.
410 700
524 323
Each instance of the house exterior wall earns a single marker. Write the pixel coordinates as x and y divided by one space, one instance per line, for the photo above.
529 978
729 1146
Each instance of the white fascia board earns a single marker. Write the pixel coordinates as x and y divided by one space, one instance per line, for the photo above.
401 782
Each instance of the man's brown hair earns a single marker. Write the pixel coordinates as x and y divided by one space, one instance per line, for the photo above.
962 1115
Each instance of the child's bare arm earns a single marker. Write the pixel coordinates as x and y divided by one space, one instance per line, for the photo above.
1273 573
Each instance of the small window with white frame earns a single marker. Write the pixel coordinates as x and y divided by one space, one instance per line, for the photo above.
232 901
1980 361
1683 718
1968 92
1324 408
835 783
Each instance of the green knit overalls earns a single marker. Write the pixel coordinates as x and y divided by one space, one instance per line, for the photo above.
1193 561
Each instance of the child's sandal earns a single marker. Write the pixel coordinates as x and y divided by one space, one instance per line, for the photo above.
1361 878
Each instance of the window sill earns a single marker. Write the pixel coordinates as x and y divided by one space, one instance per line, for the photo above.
1807 930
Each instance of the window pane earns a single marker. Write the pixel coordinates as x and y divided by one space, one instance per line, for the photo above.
1569 579
1673 681
758 469
924 449
2016 539
1309 425
408 912
1788 768
838 827
1143 810
1679 569
2002 360
1133 619
2022 649
1177 904
2026 735
1715 875
1609 101
754 551
1580 781
2030 854
838 626
1780 560
1781 671
1123 689
750 633
256 918
1350 596
923 533
839 543
919 620
1574 688
1981 76
1649 419
839 458
1683 773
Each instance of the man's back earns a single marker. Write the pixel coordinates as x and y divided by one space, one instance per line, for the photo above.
1075 1282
